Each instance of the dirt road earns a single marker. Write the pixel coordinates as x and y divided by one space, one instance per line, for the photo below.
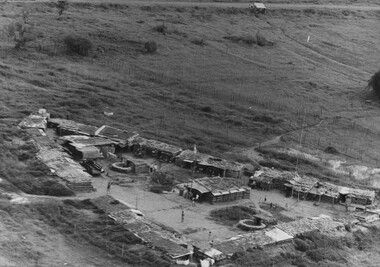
222 4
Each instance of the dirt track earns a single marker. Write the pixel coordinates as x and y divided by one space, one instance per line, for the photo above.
220 4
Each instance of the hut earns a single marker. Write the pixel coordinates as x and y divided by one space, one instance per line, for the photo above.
220 167
188 159
163 151
122 138
218 189
258 8
68 127
86 147
300 186
356 196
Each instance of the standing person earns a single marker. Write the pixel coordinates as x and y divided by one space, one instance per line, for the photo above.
265 198
193 201
108 187
209 235
183 216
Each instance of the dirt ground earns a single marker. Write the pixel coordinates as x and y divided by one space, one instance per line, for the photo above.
166 209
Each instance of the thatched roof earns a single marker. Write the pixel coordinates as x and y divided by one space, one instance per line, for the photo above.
158 145
63 166
190 156
357 193
304 183
222 164
169 247
73 126
80 141
217 185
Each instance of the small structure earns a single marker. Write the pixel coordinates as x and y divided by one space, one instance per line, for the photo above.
34 121
69 127
86 147
299 187
220 167
218 189
257 8
163 151
356 196
122 138
188 159
137 165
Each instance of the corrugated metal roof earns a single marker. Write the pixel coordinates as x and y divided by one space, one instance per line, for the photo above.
259 5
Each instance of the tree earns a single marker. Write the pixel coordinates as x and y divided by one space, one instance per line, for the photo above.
61 6
151 47
374 83
20 30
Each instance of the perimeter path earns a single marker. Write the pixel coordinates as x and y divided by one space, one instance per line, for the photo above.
217 4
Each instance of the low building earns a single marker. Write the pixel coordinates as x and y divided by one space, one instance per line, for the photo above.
299 187
153 148
122 138
218 189
68 127
188 159
356 195
86 147
258 8
220 167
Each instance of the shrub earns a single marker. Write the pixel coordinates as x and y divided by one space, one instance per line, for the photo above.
151 47
301 245
160 28
374 83
262 41
162 178
79 45
206 109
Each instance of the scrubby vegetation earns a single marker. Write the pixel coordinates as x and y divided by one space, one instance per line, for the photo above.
96 230
312 249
